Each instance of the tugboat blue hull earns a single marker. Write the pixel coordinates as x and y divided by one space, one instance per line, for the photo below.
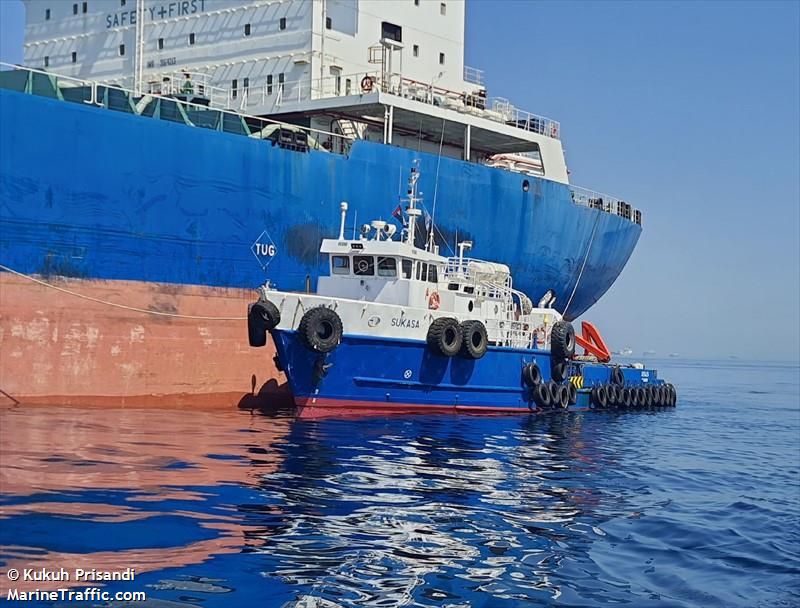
366 375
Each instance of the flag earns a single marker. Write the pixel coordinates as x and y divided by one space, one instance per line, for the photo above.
398 213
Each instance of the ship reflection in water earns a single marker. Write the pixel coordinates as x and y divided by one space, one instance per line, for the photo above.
238 508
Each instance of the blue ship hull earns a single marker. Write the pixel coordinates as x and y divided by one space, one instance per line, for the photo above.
96 194
365 374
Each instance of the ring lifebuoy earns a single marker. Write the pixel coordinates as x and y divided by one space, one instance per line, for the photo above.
366 84
434 301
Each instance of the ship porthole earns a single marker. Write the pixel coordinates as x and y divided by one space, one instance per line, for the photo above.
526 185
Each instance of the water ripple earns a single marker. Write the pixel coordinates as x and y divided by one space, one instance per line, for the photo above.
697 506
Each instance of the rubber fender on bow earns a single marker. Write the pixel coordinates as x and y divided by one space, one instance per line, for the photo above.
591 342
562 340
474 339
444 336
321 329
262 316
531 374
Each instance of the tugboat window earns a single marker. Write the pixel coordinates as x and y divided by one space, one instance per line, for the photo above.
422 271
387 267
364 265
341 264
407 269
432 278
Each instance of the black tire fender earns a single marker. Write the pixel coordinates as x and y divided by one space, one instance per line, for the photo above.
558 369
613 391
562 340
573 394
320 329
262 316
531 374
474 339
541 395
563 395
617 377
444 336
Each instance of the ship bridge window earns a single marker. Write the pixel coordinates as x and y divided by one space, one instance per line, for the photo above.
391 31
74 9
364 265
340 264
407 265
387 267
432 274
85 7
422 271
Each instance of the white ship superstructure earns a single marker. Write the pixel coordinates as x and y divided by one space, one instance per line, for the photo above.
390 71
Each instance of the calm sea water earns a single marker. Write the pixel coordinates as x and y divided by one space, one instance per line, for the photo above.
696 506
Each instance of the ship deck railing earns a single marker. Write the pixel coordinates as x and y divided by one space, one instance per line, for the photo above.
497 109
189 108
604 202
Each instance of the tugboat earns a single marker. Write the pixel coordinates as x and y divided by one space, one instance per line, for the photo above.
397 327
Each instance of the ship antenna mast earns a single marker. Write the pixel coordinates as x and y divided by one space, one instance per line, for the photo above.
412 211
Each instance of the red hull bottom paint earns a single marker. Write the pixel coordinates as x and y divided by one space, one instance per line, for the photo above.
321 407
56 347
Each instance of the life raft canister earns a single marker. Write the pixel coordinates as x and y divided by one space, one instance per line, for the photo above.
366 84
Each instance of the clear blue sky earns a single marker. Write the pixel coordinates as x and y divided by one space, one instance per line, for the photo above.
691 110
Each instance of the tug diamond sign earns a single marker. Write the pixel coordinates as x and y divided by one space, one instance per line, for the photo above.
264 249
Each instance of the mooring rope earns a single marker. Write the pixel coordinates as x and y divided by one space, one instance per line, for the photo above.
114 304
583 265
